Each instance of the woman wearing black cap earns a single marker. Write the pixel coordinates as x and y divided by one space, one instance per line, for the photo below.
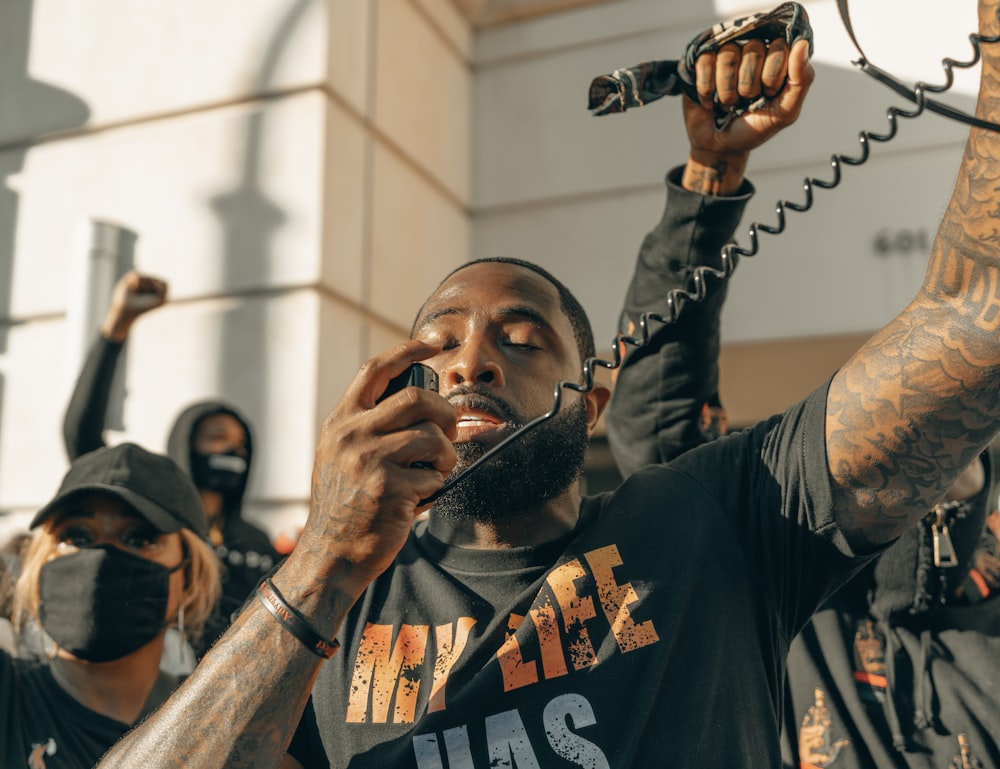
117 557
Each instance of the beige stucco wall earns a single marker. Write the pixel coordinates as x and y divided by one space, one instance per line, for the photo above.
303 171
284 169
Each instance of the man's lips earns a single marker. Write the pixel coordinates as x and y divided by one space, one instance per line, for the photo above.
477 415
477 420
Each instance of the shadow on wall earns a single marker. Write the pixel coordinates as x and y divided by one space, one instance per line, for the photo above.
29 109
249 221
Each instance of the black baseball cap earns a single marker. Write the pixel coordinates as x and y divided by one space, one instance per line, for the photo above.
152 484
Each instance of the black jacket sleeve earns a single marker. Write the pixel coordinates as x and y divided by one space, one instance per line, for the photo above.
83 423
661 387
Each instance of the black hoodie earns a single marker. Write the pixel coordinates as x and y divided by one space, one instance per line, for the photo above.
246 551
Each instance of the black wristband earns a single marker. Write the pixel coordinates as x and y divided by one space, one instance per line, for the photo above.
294 622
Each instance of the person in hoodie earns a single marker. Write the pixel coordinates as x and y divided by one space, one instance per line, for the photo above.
210 440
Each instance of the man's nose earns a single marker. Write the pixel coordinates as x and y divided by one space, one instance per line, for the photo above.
473 364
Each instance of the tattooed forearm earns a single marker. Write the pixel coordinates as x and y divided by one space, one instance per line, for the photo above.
246 698
917 405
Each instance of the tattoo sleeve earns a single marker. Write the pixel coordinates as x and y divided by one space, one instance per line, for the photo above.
239 708
918 403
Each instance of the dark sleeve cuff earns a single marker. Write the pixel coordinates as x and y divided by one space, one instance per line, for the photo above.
662 385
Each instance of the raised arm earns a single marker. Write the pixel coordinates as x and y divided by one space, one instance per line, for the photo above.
661 387
920 400
655 413
83 422
242 704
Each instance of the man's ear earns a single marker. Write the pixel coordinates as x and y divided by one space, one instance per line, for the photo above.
596 400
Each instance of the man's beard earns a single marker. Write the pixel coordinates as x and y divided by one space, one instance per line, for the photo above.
536 467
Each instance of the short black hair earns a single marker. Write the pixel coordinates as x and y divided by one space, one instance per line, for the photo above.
570 305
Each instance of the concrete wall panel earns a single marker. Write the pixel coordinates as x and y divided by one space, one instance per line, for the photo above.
422 96
129 61
223 201
345 204
418 235
350 39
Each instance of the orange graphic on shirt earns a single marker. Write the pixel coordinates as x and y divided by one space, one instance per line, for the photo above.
516 671
387 675
549 640
615 600
576 611
966 759
815 748
36 759
554 645
870 648
448 652
391 663
571 639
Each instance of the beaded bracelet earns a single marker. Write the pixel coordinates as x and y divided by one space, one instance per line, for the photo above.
294 622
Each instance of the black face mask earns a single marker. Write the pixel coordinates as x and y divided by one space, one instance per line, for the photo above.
225 473
103 603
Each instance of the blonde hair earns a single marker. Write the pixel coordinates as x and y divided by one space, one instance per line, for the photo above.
202 581
202 585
